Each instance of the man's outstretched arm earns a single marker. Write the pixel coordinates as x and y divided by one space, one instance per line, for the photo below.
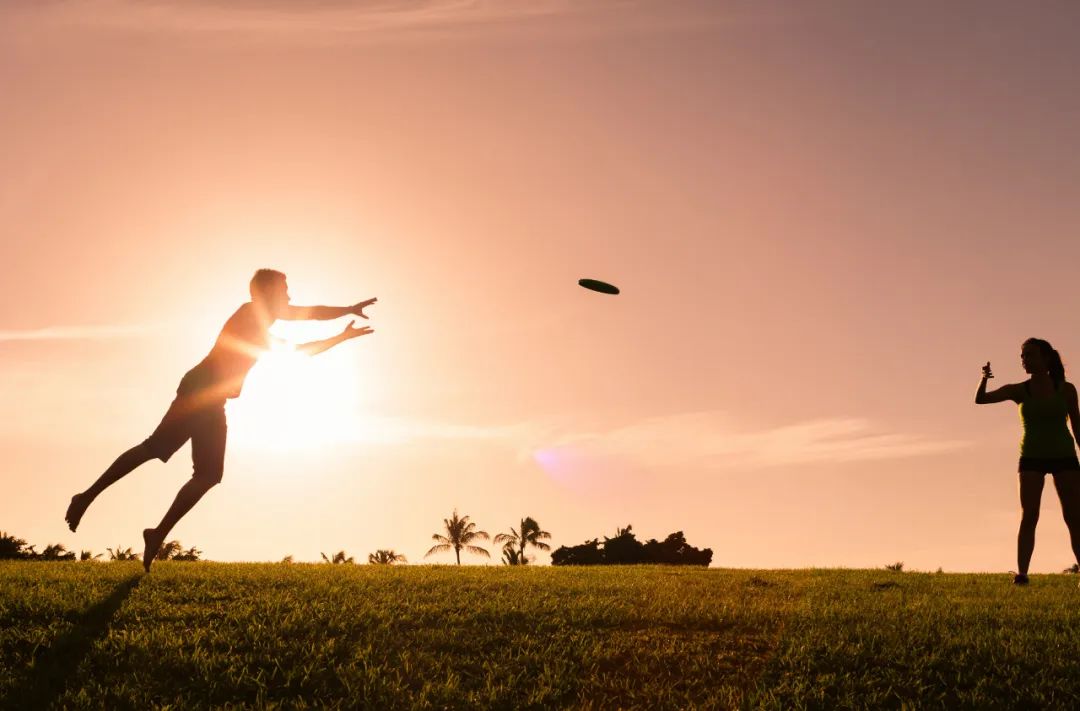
316 347
325 313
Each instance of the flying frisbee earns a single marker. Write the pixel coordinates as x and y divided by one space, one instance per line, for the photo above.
596 285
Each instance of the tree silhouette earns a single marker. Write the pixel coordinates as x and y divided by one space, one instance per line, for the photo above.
89 555
191 554
459 534
674 550
510 555
385 557
174 550
588 553
338 558
625 549
56 551
528 533
122 554
168 550
287 559
12 548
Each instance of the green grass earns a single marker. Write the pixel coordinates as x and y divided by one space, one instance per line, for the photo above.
101 635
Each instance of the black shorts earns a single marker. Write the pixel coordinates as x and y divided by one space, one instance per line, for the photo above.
1048 465
201 419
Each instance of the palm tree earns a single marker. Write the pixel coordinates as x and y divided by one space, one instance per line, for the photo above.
510 555
527 534
56 551
122 554
16 548
385 557
459 534
89 555
339 557
287 559
190 554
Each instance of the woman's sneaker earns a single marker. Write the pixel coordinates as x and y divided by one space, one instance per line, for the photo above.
1020 579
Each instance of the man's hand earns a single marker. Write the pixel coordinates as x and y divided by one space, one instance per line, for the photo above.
351 332
358 309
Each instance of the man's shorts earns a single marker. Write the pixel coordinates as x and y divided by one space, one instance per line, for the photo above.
200 419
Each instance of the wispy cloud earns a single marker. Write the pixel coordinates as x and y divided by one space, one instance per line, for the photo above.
292 16
330 18
75 333
697 441
712 440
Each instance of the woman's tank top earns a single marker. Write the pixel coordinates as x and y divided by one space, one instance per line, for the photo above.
1044 421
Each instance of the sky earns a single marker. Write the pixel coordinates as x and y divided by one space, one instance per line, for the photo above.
824 218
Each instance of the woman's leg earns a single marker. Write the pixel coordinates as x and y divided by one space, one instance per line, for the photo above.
1067 484
1031 487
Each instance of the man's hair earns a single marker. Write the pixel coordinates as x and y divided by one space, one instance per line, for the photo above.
264 281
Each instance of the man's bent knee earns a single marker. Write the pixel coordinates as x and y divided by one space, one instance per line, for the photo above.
207 480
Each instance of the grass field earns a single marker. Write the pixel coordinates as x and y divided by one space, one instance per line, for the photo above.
102 635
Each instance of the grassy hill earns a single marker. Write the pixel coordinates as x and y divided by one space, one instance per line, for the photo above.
93 635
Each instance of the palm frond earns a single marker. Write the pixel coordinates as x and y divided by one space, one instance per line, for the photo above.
438 549
478 550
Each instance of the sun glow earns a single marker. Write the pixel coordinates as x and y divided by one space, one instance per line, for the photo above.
291 400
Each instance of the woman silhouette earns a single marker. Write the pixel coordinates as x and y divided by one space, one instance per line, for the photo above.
1045 400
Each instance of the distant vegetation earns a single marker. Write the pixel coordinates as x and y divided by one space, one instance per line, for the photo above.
626 549
173 550
338 558
528 533
458 534
13 548
385 557
119 553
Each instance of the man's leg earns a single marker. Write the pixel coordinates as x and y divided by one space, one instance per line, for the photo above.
208 457
124 465
186 498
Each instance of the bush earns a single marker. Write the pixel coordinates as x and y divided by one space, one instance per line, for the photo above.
625 549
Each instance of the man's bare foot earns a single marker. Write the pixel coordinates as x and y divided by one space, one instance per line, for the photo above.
76 509
153 545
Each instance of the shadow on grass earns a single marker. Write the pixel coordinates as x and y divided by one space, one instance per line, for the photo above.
45 683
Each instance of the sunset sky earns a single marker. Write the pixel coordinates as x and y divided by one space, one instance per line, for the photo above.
824 218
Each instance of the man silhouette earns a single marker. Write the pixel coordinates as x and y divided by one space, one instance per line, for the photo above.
198 411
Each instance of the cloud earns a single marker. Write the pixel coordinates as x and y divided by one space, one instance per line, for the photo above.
337 19
712 440
74 333
290 15
697 441
400 430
